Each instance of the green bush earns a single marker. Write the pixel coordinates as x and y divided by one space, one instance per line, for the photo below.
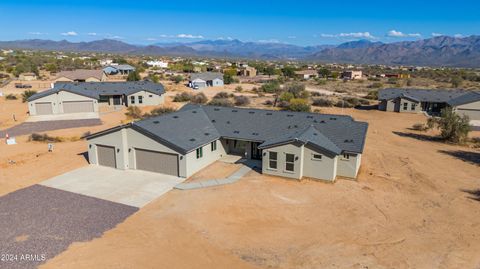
220 102
376 85
322 102
453 127
11 97
159 111
300 105
182 97
372 95
286 96
270 87
177 79
221 95
27 94
44 138
238 89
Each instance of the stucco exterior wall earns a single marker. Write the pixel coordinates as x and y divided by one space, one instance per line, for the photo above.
387 105
194 165
472 110
350 167
297 150
115 139
149 99
57 100
400 106
325 169
217 82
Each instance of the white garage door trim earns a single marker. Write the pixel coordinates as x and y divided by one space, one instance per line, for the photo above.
43 108
77 106
155 161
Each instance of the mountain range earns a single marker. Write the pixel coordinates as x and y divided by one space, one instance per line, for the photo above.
437 51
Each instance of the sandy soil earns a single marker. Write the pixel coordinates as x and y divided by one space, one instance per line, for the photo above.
8 108
217 170
37 85
408 209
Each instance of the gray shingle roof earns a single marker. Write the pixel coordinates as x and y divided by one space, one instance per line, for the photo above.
95 89
206 76
195 125
465 99
422 95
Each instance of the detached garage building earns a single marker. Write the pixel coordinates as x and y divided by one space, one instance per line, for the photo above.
85 97
286 144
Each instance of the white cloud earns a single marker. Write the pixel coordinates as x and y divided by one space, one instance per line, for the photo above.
189 36
394 33
225 38
437 34
92 34
37 33
70 33
165 36
366 35
151 39
268 41
458 35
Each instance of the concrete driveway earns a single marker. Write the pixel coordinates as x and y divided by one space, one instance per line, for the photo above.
129 187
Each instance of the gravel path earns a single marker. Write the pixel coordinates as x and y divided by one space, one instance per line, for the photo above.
38 222
42 126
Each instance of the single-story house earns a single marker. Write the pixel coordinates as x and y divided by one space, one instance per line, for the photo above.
247 71
306 74
287 144
352 75
206 79
430 101
121 69
81 75
159 64
27 76
84 97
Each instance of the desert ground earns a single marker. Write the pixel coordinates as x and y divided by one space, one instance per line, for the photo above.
415 204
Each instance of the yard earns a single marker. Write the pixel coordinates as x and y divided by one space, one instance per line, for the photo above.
415 205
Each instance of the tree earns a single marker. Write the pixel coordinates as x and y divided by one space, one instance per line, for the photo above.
453 127
324 72
297 89
26 94
288 71
456 81
270 87
270 71
134 76
228 79
177 79
133 112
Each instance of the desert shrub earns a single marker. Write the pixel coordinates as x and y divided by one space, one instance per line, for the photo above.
453 127
376 85
220 102
419 127
283 104
316 94
27 94
341 90
321 82
199 98
270 87
476 142
241 100
159 111
297 89
299 105
177 79
133 112
372 95
11 97
286 96
409 82
268 103
392 81
345 104
44 138
238 89
322 102
221 95
182 97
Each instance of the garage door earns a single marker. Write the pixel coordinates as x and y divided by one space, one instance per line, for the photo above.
77 106
471 113
159 162
43 108
106 156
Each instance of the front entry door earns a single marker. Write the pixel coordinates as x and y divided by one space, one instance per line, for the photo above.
255 152
117 100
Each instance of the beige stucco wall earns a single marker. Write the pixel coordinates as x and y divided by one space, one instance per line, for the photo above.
350 167
154 100
57 100
472 110
325 169
194 165
387 105
400 103
115 139
297 150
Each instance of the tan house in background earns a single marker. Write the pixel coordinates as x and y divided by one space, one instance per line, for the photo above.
27 76
352 75
81 75
306 74
248 71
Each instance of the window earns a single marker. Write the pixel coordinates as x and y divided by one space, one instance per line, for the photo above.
405 106
413 106
272 163
317 157
346 156
199 153
150 96
289 162
140 99
213 145
132 100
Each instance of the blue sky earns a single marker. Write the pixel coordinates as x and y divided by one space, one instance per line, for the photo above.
296 22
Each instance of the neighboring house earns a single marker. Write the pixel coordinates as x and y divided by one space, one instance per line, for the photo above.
247 71
121 69
401 75
66 98
207 79
159 64
352 75
287 144
430 101
306 74
105 62
27 76
81 75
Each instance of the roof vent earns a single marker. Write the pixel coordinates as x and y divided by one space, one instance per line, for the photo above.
348 141
333 118
236 132
251 112
234 110
269 114
309 117
315 134
289 115
192 139
216 109
156 122
175 117
194 111
207 134
322 121
254 133
228 122
213 121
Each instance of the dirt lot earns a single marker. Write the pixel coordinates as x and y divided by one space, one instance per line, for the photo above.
409 208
